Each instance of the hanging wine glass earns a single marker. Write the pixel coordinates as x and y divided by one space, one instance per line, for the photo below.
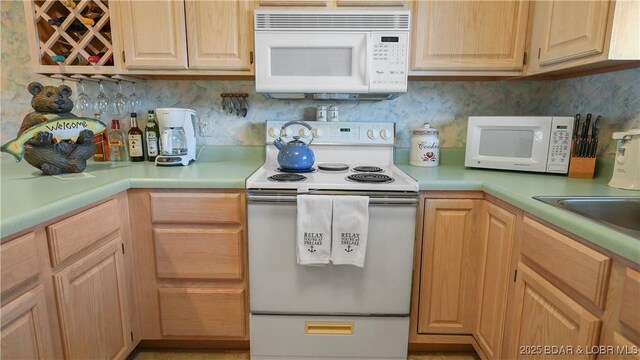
121 101
83 103
134 101
102 101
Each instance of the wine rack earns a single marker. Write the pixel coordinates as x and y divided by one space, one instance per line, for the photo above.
70 37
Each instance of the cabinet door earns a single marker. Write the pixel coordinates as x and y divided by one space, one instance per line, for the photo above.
220 34
468 35
545 316
25 330
566 30
153 34
449 274
93 305
498 236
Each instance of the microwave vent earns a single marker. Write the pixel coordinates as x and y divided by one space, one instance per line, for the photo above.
332 21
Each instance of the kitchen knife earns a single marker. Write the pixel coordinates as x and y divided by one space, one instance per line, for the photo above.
594 137
574 136
583 137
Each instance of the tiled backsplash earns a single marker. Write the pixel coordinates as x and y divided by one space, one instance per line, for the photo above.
444 104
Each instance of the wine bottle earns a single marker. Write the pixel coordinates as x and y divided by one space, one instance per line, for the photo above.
76 26
152 135
134 137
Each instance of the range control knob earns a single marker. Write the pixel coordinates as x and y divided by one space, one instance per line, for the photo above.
286 132
317 132
372 134
304 133
384 134
274 132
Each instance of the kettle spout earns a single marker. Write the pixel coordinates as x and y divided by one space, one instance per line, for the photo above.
278 143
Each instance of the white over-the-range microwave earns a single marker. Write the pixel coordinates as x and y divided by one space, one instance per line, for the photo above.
524 143
332 54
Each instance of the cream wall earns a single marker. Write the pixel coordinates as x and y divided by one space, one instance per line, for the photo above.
445 104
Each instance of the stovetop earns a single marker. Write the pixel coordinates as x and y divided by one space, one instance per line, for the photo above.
349 156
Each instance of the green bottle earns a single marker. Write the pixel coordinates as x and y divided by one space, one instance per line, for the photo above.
152 137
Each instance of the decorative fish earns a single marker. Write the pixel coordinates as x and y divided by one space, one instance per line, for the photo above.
61 128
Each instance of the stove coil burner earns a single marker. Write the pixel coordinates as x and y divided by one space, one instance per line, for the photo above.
368 169
370 178
333 166
287 177
292 171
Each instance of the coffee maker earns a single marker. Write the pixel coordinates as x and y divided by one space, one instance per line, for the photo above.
177 136
626 171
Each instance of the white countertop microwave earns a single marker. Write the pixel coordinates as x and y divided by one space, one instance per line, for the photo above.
524 143
331 54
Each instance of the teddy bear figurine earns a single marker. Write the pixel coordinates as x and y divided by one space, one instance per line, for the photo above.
41 151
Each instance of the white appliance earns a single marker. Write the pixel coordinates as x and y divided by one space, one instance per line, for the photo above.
331 54
524 143
333 311
626 171
177 136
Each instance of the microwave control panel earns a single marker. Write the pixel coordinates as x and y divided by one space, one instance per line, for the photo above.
559 145
390 57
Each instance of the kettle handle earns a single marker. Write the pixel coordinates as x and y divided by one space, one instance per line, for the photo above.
300 122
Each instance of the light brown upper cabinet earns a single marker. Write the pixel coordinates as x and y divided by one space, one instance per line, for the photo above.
463 36
217 34
154 35
569 34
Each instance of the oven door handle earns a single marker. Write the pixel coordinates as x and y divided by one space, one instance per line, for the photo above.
274 199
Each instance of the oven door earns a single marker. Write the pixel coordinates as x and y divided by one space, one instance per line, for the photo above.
312 62
278 285
510 143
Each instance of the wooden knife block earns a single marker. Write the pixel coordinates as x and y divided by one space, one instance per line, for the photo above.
582 167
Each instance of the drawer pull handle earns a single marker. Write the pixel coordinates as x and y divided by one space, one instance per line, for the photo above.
328 328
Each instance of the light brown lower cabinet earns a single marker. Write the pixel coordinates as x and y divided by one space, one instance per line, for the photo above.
498 231
93 306
190 254
25 329
545 318
67 292
448 281
621 326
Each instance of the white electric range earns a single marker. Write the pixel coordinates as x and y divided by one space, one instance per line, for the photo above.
349 156
332 311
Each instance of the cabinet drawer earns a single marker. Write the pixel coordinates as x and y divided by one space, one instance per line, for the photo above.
202 312
19 261
198 253
195 208
629 309
328 337
581 268
68 237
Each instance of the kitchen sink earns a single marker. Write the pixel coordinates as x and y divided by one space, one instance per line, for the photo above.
619 213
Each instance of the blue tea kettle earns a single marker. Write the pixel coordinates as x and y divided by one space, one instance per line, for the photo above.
296 155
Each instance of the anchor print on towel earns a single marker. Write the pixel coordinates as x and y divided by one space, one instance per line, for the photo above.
350 240
312 239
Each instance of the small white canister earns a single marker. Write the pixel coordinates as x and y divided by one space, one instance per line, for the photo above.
321 113
425 147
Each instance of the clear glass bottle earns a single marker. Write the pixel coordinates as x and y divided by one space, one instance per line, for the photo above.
134 138
152 137
117 147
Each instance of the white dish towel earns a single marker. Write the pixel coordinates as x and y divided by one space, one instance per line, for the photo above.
350 226
313 231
